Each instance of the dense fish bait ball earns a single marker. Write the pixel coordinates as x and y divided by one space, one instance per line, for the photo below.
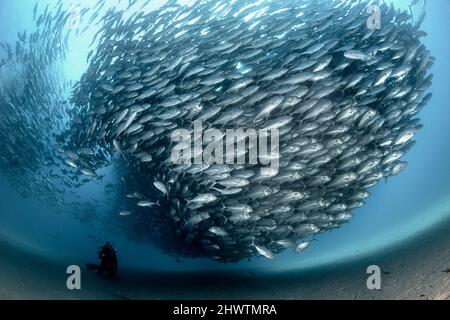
344 97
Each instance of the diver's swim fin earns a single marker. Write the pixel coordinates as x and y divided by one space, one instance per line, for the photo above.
91 266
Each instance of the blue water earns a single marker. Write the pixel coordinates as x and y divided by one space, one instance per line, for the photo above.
397 210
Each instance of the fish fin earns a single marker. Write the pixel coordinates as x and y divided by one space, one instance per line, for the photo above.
411 13
218 190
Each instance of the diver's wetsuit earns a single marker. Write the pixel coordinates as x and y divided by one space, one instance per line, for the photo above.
108 260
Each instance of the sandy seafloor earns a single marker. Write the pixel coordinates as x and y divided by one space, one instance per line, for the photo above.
416 269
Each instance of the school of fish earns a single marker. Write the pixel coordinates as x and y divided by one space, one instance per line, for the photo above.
345 98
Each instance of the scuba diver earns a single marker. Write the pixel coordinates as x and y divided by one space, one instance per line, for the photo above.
108 260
